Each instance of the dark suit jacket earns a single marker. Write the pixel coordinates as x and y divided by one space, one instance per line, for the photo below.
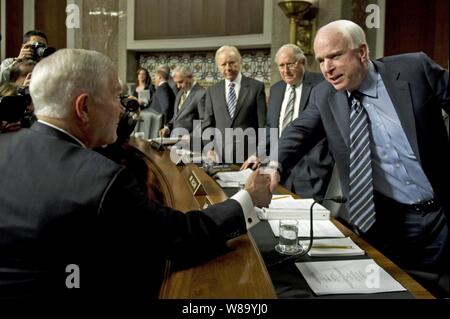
191 109
418 88
163 101
250 109
311 175
63 204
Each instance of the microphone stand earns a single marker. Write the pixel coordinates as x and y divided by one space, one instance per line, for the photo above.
336 199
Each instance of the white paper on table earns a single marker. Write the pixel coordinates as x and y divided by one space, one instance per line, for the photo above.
362 276
322 228
291 203
237 176
336 247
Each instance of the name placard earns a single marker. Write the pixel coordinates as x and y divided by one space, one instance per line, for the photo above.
195 184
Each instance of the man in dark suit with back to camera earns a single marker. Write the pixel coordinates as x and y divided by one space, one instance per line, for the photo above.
383 121
70 206
288 98
235 102
188 102
164 98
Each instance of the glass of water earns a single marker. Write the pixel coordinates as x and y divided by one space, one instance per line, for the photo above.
288 240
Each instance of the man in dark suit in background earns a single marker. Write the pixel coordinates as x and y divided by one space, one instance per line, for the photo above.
235 102
164 98
385 129
288 98
71 206
188 102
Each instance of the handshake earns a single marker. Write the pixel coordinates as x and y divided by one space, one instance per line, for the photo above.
262 181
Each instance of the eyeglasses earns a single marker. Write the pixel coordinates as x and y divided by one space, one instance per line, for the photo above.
289 66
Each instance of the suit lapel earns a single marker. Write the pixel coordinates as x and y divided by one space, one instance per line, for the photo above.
177 101
220 100
399 92
187 101
306 89
242 95
338 103
279 97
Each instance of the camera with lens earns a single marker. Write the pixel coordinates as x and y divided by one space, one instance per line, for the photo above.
40 50
128 119
15 108
129 104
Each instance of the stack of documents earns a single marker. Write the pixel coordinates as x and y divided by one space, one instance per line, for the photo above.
233 179
285 206
333 247
362 276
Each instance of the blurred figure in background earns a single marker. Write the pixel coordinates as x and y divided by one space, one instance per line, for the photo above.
144 89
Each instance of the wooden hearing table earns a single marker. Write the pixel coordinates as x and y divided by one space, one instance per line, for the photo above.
241 272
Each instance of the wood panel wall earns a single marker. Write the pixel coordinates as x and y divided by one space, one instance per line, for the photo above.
168 19
14 27
50 17
418 25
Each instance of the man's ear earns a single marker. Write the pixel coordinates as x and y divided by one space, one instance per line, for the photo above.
81 107
364 52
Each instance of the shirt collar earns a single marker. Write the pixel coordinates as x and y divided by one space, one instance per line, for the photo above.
63 131
237 80
369 84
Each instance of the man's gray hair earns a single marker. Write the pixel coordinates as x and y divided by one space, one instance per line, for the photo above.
164 71
59 78
352 32
226 48
298 53
183 70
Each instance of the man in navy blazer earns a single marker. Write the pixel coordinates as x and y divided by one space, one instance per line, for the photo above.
66 207
311 175
249 111
403 97
164 98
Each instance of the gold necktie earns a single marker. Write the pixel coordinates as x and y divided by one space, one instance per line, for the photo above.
182 99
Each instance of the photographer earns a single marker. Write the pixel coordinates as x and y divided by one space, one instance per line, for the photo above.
31 41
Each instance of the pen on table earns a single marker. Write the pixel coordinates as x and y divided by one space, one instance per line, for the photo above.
281 197
333 246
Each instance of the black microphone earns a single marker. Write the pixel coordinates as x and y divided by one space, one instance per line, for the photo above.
336 199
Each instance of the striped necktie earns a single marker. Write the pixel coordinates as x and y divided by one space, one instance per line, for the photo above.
232 100
182 99
361 205
289 112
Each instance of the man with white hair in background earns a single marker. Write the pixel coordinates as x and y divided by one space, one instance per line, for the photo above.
236 102
288 98
384 126
64 206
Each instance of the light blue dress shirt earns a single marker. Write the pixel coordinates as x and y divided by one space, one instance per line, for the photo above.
396 171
